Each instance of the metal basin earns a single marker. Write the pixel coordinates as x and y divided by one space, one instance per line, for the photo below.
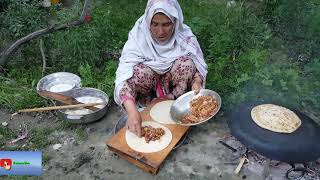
85 95
59 82
181 106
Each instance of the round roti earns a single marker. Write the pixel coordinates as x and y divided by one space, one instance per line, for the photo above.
275 118
160 112
140 145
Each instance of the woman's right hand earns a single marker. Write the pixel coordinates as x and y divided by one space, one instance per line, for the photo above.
134 118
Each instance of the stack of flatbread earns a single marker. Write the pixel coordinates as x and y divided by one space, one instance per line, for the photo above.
275 118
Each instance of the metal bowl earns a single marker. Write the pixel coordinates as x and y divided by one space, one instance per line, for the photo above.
181 106
59 82
85 115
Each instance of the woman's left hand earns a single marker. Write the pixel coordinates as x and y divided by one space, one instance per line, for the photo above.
196 86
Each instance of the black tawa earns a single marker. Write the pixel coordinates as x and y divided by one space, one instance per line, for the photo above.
300 146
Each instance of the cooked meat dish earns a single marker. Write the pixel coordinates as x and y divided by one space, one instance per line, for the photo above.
151 134
201 108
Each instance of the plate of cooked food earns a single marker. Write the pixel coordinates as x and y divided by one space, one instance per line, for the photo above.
193 109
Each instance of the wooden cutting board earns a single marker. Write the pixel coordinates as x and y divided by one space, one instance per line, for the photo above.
149 162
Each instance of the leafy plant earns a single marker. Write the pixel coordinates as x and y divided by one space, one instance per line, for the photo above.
235 40
296 22
282 85
5 135
103 80
250 48
19 95
107 32
22 17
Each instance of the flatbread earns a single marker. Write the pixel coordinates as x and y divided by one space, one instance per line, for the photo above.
275 118
160 112
140 145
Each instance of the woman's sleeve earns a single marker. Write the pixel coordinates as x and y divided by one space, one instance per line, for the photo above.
126 93
197 77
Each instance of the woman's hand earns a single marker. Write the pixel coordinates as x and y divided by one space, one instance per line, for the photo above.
134 118
196 86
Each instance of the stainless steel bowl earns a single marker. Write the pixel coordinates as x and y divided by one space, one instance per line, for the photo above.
88 116
181 106
59 82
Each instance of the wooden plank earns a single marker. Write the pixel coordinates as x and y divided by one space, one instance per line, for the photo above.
136 162
149 162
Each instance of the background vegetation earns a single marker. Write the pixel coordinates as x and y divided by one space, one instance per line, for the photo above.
267 50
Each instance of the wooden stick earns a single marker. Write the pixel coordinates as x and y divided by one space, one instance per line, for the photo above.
44 64
59 107
242 161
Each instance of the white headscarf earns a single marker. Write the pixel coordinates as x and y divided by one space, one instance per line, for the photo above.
142 48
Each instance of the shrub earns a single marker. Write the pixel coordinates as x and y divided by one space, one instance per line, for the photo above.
297 23
22 17
107 32
103 80
282 85
233 42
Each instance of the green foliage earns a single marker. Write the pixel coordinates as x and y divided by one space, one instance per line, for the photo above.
296 22
19 94
81 133
311 84
40 138
226 76
17 87
22 17
282 85
248 48
237 31
107 31
233 43
5 135
103 80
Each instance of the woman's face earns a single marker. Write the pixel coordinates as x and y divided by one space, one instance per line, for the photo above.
161 27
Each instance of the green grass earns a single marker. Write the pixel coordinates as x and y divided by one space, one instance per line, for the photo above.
5 135
77 129
250 49
38 139
248 57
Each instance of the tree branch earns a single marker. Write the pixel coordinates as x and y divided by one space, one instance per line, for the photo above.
44 63
4 55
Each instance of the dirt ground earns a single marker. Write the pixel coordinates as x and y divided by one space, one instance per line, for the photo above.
200 157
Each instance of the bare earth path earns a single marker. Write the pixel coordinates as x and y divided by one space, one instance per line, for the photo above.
202 157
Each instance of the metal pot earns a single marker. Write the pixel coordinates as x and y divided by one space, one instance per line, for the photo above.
88 115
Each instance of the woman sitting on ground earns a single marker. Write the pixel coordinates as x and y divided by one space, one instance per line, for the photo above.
161 55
